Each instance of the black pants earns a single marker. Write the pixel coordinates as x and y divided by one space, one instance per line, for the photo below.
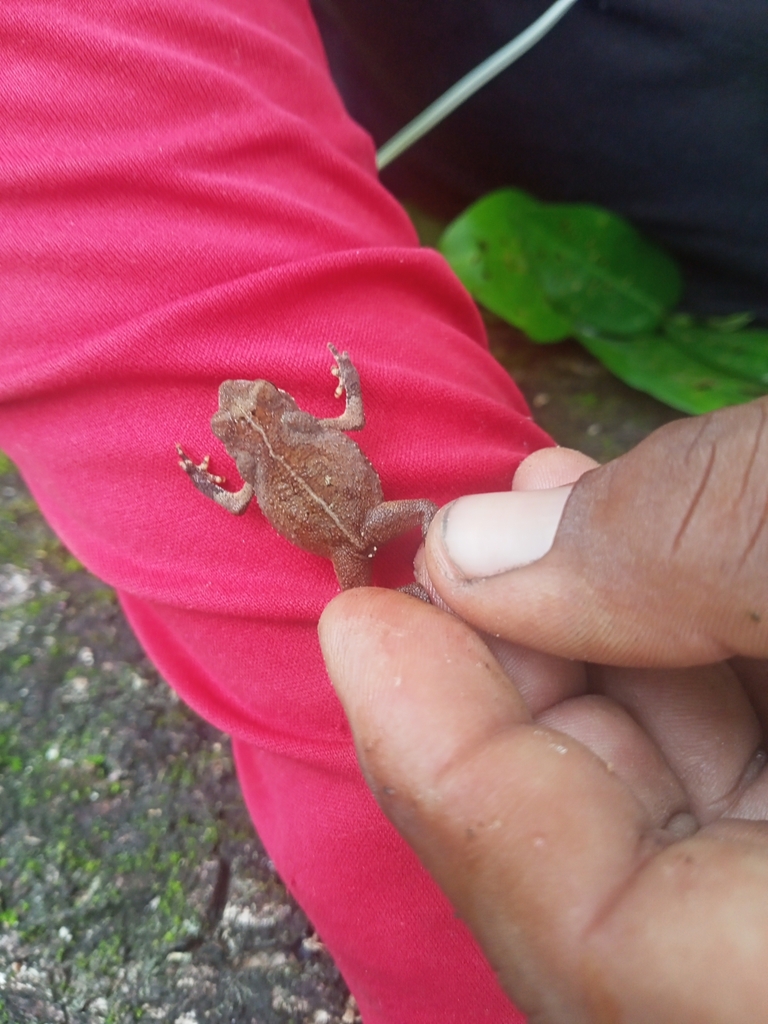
657 109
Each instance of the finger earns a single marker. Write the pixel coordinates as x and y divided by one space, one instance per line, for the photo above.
658 557
544 852
752 801
542 680
609 732
545 469
753 676
454 760
702 722
555 693
551 467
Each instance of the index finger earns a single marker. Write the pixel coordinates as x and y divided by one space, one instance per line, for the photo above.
656 558
577 900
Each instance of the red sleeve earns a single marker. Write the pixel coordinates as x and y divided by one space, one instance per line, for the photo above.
185 200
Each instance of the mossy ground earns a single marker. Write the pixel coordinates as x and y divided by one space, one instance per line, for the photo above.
132 886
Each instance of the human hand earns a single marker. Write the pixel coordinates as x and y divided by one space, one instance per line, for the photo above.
602 831
659 560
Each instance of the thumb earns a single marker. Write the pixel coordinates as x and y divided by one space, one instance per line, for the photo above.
658 558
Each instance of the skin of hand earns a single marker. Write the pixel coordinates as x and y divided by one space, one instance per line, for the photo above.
595 808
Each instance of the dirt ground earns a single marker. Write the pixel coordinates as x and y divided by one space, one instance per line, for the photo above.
132 886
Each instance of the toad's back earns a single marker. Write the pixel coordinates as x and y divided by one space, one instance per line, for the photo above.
311 481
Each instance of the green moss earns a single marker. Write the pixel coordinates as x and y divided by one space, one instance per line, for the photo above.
587 401
10 759
113 798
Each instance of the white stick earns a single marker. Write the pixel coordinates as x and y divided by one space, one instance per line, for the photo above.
469 84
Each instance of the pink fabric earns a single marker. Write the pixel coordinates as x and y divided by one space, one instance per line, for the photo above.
184 200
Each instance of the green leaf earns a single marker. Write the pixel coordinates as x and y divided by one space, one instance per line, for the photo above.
550 268
598 270
560 270
728 323
741 353
654 363
484 247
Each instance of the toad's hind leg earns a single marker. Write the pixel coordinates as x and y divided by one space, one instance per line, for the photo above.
391 518
353 568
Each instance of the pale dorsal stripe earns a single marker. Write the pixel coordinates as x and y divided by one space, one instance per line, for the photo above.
356 542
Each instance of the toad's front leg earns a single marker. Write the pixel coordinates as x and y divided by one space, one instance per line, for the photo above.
353 417
210 485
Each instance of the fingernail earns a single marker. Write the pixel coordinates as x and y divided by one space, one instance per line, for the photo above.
486 534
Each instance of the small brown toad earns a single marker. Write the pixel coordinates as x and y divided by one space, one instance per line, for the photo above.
311 481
